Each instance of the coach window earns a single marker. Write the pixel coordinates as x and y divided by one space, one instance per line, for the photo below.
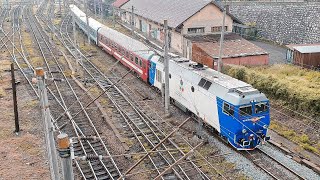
136 60
131 57
228 109
245 110
140 62
143 65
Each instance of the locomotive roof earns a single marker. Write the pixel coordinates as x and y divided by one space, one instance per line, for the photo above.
228 83
210 74
230 89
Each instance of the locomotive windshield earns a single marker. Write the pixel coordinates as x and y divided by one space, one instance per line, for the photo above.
245 111
261 108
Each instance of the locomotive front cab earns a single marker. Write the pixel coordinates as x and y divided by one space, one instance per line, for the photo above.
254 120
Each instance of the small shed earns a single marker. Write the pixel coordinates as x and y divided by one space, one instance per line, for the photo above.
307 56
236 50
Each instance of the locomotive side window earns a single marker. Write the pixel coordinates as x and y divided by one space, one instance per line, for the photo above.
127 54
136 60
207 85
245 110
159 76
228 109
261 107
204 84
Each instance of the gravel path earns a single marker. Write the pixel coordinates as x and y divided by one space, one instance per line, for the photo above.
302 170
277 54
242 163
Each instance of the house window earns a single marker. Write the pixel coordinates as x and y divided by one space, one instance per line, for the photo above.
218 28
195 30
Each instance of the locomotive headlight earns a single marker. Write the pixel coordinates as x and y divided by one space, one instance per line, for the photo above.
265 126
244 131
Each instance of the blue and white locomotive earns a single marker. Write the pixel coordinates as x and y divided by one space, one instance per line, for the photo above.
237 111
234 108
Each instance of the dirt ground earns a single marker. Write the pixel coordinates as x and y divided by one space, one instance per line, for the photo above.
22 156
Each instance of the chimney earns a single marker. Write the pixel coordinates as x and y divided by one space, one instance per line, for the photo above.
227 8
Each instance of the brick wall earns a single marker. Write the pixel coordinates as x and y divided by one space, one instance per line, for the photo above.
283 23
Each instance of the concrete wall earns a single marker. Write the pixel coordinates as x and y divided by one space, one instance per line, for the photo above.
207 17
283 23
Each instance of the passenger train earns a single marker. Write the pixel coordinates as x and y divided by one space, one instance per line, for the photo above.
237 111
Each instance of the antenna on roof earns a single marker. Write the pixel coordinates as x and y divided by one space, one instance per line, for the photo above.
221 41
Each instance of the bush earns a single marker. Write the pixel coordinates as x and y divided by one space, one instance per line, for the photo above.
298 88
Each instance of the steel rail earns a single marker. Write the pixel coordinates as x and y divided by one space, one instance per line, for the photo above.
131 104
104 146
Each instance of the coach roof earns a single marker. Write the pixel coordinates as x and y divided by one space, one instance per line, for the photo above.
176 12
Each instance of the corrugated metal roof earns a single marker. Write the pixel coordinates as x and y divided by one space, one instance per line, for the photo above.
176 12
119 3
292 46
307 49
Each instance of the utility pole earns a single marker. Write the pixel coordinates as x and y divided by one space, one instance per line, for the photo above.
44 104
15 103
60 8
95 8
101 10
132 20
221 42
74 30
65 155
52 18
166 68
87 18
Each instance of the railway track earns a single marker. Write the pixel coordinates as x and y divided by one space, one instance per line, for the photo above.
271 165
80 126
134 118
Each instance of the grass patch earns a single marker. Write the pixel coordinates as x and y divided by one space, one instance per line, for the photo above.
37 61
86 47
297 88
301 139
